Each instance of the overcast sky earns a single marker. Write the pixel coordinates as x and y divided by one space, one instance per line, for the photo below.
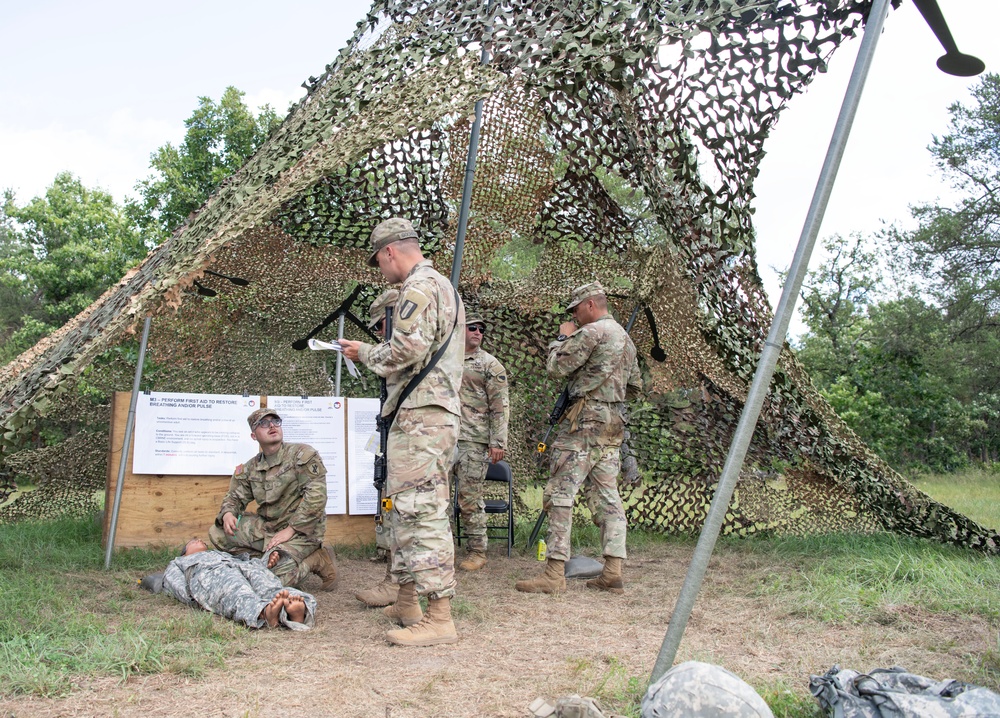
95 88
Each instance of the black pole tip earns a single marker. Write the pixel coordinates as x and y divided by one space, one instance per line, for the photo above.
960 64
657 353
300 344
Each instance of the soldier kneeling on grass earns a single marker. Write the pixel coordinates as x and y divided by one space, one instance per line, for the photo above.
288 482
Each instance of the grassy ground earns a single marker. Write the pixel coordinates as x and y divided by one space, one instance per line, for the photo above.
63 618
64 621
976 493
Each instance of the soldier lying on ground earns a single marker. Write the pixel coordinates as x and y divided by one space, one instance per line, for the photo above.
236 587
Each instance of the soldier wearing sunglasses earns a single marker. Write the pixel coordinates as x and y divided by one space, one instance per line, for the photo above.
483 436
288 482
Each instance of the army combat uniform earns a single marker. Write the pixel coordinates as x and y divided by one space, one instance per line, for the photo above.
485 413
236 587
424 434
290 490
599 361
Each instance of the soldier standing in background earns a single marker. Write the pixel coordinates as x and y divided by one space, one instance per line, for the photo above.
288 482
384 594
599 359
424 432
483 438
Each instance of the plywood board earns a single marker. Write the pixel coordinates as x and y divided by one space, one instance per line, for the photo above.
168 510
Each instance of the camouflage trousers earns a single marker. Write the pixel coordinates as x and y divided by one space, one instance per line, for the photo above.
240 590
469 476
596 469
252 535
421 450
422 547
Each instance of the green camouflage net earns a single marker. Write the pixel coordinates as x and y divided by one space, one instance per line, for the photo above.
596 119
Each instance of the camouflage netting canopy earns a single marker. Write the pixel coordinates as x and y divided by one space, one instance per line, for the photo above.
620 140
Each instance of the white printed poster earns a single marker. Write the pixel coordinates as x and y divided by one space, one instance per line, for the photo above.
361 414
192 434
319 422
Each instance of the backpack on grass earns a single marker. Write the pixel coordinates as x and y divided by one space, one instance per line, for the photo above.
894 693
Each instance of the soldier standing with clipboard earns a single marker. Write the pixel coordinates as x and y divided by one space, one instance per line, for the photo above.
422 365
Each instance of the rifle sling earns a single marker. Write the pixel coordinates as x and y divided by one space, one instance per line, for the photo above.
412 384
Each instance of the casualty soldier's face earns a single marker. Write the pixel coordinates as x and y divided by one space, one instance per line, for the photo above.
268 429
195 545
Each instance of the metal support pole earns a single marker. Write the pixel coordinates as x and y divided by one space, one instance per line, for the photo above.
772 347
129 424
470 170
340 357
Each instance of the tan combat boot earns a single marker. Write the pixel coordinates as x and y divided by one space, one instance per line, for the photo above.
435 628
610 578
474 561
406 610
384 594
321 563
552 581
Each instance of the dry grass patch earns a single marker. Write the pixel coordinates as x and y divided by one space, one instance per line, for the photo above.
515 647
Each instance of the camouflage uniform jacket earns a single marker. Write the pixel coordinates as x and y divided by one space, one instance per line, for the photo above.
485 403
289 488
600 360
424 317
237 587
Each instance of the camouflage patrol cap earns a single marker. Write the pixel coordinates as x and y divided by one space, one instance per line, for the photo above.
377 312
587 291
701 690
474 318
259 414
387 232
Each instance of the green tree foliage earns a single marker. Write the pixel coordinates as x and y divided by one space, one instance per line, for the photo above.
835 298
958 247
916 372
220 138
896 369
58 253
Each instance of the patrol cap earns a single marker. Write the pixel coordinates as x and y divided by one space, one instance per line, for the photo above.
387 232
377 311
585 292
259 414
474 318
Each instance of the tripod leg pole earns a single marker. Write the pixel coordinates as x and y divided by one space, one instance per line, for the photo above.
533 539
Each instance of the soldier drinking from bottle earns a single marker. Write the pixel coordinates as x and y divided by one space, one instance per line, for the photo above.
598 359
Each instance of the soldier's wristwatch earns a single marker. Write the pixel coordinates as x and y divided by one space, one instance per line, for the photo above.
562 337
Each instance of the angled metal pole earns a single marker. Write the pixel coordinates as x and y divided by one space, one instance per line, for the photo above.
129 424
470 170
772 346
340 357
